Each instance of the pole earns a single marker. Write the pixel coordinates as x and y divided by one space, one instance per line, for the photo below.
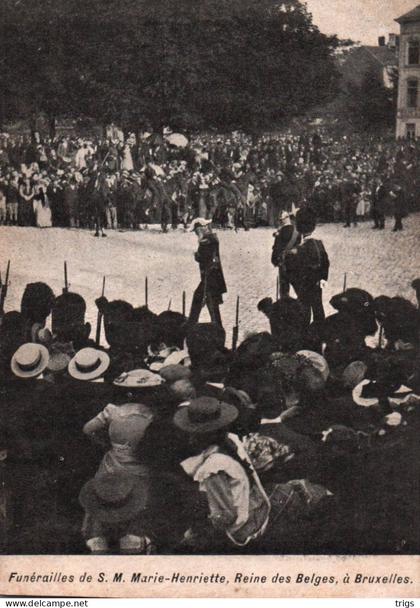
99 318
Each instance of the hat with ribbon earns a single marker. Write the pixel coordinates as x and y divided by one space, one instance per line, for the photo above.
204 415
88 364
30 360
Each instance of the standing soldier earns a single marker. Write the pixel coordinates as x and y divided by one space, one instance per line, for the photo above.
308 267
398 198
212 285
379 194
286 238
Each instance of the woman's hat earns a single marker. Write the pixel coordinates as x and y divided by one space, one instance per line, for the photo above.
204 415
138 378
30 360
198 221
88 364
178 357
317 361
114 497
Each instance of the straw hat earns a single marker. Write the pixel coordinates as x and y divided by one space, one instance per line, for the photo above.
88 364
30 360
204 415
317 361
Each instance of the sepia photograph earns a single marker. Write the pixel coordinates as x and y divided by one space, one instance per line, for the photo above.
210 280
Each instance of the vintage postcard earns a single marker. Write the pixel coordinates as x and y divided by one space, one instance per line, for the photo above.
209 298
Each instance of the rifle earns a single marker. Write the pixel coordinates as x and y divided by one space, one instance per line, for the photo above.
146 293
183 303
381 330
235 332
99 318
345 282
4 287
278 287
66 281
169 304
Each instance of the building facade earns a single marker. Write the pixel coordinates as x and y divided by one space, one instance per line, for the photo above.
408 110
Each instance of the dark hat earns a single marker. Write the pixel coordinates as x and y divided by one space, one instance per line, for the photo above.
204 415
114 497
172 373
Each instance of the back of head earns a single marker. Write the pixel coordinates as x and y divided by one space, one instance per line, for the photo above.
254 352
37 302
170 329
68 316
203 339
305 220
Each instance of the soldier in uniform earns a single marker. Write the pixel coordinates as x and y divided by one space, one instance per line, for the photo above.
286 238
212 285
308 267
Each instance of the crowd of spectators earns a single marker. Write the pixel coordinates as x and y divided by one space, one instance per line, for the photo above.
238 180
303 439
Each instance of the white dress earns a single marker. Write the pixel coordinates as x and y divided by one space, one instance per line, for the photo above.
42 214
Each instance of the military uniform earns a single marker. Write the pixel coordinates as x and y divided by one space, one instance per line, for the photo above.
212 285
285 239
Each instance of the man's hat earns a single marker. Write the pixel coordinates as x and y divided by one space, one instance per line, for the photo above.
88 364
317 361
173 373
198 221
204 415
114 497
30 360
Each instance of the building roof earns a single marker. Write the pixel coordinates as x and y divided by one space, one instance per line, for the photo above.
383 54
413 15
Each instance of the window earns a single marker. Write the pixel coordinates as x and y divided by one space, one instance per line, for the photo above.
412 93
410 130
414 52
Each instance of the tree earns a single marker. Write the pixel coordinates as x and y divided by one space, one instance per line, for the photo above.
189 63
372 105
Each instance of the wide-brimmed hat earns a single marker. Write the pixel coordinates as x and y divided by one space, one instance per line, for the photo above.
30 360
198 221
317 361
138 378
114 497
204 415
88 364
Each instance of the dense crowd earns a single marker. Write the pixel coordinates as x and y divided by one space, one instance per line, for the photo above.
237 180
302 439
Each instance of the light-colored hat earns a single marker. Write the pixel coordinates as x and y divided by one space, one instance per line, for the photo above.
317 361
138 378
30 360
178 357
88 364
283 215
198 221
